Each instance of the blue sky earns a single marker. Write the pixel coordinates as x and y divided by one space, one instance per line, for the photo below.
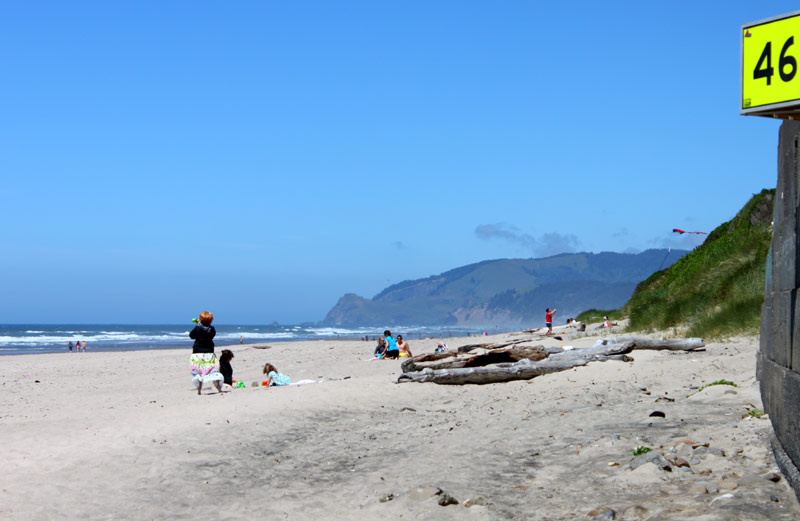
261 159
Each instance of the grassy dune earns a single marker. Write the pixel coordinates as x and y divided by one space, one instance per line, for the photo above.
714 291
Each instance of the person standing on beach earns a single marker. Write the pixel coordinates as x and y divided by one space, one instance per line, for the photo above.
203 362
70 346
548 320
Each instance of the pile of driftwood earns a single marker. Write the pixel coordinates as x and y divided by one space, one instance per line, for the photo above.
506 361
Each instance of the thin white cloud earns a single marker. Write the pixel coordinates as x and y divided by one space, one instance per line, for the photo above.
547 244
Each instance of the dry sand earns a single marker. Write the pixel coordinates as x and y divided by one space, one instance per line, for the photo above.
125 436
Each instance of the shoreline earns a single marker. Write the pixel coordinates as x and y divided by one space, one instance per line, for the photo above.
124 435
18 339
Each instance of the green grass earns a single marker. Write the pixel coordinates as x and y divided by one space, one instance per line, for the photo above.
718 382
714 291
638 451
596 315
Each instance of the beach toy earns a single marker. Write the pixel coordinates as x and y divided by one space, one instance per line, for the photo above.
265 383
240 385
195 320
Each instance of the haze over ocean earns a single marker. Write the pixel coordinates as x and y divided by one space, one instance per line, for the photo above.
261 160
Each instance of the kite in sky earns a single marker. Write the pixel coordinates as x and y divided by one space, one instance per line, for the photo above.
678 230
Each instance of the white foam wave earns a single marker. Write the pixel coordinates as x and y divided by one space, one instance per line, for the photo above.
250 336
115 337
332 331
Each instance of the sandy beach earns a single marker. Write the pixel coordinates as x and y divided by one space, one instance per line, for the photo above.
125 436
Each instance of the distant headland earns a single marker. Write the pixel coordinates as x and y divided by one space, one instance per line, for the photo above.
507 291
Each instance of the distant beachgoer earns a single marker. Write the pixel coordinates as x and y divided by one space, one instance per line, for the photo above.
391 345
441 347
203 362
402 345
69 346
548 320
380 349
84 346
274 377
241 340
606 323
226 369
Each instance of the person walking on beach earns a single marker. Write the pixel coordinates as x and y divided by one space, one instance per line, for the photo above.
203 362
548 320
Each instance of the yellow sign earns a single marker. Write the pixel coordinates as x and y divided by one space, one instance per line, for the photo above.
770 53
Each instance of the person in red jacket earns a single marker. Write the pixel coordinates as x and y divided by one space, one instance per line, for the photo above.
548 320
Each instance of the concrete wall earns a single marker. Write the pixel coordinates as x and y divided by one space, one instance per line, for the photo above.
779 353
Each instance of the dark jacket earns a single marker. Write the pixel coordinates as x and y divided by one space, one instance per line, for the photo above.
203 338
227 372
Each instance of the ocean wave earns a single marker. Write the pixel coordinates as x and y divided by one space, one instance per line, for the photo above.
116 337
250 336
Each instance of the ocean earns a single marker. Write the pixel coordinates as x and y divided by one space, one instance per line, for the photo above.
53 338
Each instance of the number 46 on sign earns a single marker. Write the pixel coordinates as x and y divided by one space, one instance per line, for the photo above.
770 83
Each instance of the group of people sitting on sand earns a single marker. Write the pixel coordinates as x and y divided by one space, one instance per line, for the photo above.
390 348
206 367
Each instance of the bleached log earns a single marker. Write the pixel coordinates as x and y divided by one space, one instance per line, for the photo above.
422 362
496 345
412 364
673 344
521 370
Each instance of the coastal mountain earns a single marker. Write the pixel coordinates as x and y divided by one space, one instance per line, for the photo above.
507 291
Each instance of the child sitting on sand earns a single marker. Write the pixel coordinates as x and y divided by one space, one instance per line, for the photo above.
380 348
391 345
226 369
274 377
402 345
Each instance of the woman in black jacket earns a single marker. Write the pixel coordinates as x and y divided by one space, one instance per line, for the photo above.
203 362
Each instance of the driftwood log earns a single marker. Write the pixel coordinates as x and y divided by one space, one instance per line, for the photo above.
522 370
496 345
452 359
525 369
674 344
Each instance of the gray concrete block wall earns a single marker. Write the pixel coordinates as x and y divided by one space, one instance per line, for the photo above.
778 364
